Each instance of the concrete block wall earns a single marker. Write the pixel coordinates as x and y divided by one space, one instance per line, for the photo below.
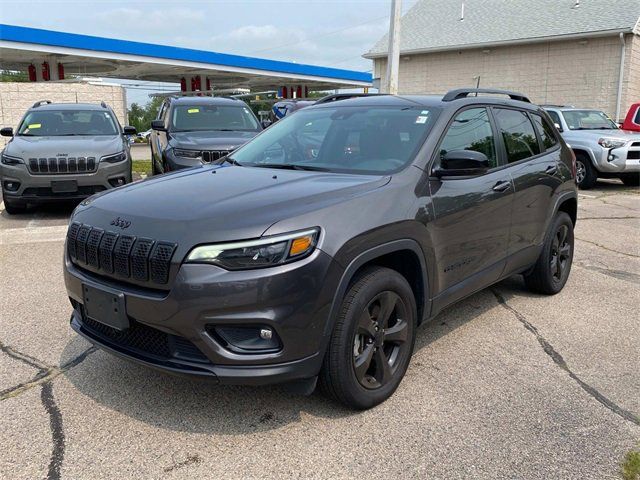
631 89
569 72
17 97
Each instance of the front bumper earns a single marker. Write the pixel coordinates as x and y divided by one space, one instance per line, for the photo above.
619 160
36 188
293 300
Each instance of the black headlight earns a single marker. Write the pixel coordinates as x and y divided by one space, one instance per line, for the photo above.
9 160
115 158
184 153
260 253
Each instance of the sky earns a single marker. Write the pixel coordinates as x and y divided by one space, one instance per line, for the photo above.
331 33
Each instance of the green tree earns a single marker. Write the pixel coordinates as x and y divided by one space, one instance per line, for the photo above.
13 76
141 116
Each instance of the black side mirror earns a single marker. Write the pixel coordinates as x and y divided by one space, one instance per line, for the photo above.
158 125
6 132
462 163
129 130
266 123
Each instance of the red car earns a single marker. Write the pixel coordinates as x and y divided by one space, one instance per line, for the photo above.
632 122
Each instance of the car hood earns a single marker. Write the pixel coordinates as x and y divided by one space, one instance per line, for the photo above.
219 203
597 134
80 146
210 139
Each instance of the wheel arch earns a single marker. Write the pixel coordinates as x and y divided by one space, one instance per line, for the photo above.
404 256
586 152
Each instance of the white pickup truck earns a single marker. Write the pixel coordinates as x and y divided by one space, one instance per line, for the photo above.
602 149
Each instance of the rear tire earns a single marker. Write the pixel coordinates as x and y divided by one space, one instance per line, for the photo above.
14 208
630 179
372 341
551 271
586 172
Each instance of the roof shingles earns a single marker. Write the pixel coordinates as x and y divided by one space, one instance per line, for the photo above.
436 25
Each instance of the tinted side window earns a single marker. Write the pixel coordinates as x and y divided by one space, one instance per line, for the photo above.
637 119
518 134
471 130
555 117
546 132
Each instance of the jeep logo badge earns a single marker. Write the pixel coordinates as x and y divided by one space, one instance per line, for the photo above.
120 222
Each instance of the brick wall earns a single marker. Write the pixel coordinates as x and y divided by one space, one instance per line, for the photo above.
631 88
16 98
570 72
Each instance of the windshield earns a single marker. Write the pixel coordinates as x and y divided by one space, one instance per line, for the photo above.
588 120
57 123
367 140
212 117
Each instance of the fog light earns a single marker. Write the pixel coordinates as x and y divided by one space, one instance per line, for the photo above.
612 157
266 333
11 186
246 339
117 182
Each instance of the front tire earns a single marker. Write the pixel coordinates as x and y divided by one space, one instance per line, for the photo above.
551 271
585 172
372 341
14 208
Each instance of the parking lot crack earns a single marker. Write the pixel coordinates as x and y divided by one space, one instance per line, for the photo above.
560 362
23 357
57 432
44 376
607 248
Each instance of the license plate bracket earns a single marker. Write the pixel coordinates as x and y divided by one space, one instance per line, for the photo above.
105 307
64 186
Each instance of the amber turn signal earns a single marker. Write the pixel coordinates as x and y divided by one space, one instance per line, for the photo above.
300 245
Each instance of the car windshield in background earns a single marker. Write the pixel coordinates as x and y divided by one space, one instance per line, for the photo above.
58 123
364 140
187 118
588 120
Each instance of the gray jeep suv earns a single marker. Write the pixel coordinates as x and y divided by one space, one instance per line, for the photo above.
315 250
63 152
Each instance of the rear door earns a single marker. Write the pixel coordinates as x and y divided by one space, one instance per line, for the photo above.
532 152
470 232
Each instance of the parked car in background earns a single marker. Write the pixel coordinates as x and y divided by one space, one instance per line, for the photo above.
601 147
282 263
632 120
192 131
63 151
145 135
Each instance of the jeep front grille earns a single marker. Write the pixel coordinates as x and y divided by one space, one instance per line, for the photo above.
123 256
63 165
209 156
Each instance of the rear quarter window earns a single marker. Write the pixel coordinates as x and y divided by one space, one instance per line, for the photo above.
545 131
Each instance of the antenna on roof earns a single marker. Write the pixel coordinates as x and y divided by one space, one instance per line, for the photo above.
462 12
576 5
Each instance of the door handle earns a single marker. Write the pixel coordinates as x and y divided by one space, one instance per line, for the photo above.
501 186
551 170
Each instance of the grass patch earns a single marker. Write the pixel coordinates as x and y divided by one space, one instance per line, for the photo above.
141 166
631 466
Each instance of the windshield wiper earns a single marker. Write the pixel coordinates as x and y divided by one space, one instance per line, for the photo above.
227 159
291 166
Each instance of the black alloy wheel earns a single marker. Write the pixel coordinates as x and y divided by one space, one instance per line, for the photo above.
380 340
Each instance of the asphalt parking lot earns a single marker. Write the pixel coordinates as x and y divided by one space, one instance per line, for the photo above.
504 385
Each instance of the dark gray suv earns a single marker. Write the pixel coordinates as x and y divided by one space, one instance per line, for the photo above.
315 250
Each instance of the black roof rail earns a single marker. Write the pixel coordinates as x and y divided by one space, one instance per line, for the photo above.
550 105
341 96
41 102
465 92
103 105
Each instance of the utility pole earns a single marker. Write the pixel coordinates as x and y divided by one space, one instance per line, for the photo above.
393 57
